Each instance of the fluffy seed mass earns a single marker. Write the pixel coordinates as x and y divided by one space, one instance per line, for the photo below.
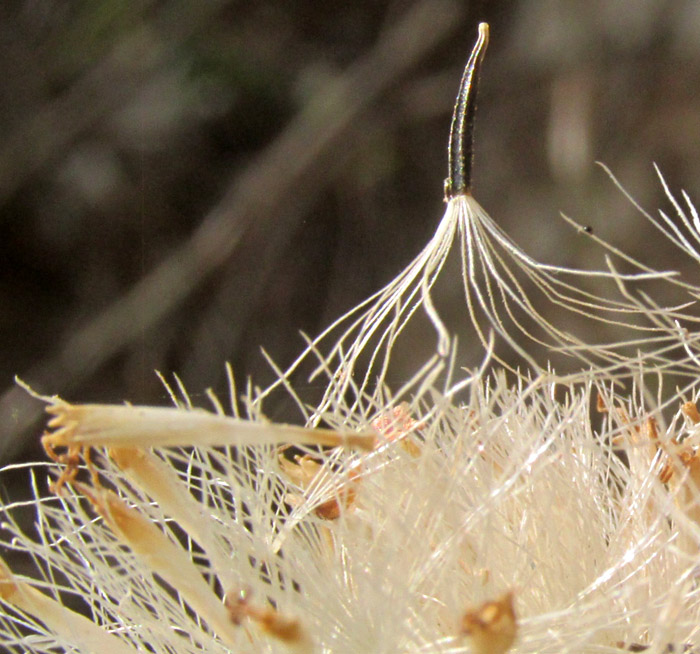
481 510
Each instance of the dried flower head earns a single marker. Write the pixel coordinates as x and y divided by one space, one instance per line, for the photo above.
401 520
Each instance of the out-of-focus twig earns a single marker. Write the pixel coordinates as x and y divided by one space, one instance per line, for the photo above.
257 194
50 128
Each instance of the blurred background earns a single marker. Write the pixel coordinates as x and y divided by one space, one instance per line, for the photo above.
184 182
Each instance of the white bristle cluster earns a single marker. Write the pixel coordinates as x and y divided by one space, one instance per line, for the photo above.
511 489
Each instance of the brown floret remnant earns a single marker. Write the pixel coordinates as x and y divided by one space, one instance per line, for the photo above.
690 411
492 627
679 453
674 452
63 424
285 629
398 425
309 474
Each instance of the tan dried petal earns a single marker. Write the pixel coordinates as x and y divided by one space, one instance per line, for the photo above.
163 557
68 624
106 425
